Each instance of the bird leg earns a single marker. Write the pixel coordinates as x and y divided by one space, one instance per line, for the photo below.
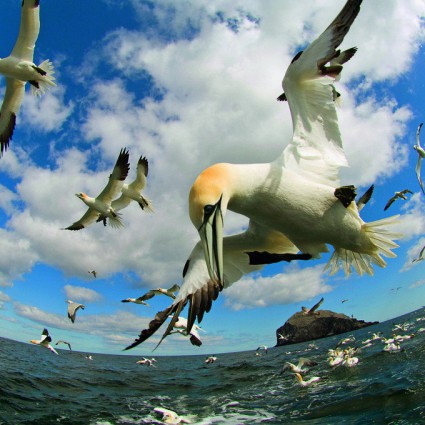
346 194
39 70
256 257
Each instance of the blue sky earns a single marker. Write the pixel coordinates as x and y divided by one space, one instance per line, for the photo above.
187 85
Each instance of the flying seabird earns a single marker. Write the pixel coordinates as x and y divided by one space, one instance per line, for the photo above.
45 341
132 191
72 309
294 204
93 272
147 362
299 193
398 195
298 367
263 347
19 68
306 383
102 203
181 326
150 294
420 257
64 342
313 309
343 301
421 154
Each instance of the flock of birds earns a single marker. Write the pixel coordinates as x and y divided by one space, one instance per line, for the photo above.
295 204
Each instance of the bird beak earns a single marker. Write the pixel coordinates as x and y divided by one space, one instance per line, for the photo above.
211 234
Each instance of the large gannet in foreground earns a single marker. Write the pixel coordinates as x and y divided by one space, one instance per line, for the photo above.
45 341
101 205
133 191
19 68
421 154
72 309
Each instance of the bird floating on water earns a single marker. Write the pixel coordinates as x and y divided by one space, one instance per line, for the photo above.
421 154
298 367
132 191
398 195
307 383
19 68
295 204
72 309
171 417
45 341
101 205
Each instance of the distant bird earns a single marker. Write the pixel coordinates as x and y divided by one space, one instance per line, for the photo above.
313 309
93 272
19 68
180 326
303 383
89 357
210 359
147 362
346 340
135 300
343 301
132 191
398 195
263 347
102 203
421 154
64 342
420 257
45 341
72 309
171 417
298 367
150 294
396 289
392 347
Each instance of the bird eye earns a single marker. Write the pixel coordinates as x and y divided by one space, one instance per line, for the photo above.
208 209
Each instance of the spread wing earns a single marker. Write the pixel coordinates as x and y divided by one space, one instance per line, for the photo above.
11 103
390 202
316 306
88 218
28 30
316 149
200 290
142 172
116 179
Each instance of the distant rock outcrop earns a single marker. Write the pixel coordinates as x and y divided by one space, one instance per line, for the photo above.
302 326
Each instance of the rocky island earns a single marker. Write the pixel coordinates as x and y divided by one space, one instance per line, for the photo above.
308 325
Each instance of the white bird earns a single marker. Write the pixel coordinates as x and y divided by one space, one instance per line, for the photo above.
303 383
170 292
293 204
45 341
392 347
298 194
350 361
147 362
263 347
313 309
64 342
72 309
398 195
102 203
335 361
181 326
421 154
210 359
171 417
132 191
298 367
19 68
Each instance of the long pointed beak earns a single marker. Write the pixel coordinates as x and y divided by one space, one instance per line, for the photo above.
211 234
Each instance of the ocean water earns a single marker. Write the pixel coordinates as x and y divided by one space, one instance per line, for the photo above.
38 387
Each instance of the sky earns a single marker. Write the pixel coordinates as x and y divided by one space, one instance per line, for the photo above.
189 84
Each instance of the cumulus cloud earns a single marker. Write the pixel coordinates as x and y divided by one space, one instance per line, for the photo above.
417 284
3 299
79 293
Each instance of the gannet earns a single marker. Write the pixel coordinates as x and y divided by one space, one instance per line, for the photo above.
343 301
392 347
398 195
93 272
181 326
72 309
312 310
170 417
147 362
421 154
132 191
298 367
19 68
210 359
350 361
263 347
45 341
102 203
64 342
346 340
306 383
335 361
298 194
150 294
420 257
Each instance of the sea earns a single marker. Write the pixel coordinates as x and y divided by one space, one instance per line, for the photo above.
251 387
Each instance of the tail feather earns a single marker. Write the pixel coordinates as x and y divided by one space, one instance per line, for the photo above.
362 262
45 81
146 205
115 221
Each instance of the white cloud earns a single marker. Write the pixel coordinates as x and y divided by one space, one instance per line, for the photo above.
289 287
81 294
3 299
417 284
